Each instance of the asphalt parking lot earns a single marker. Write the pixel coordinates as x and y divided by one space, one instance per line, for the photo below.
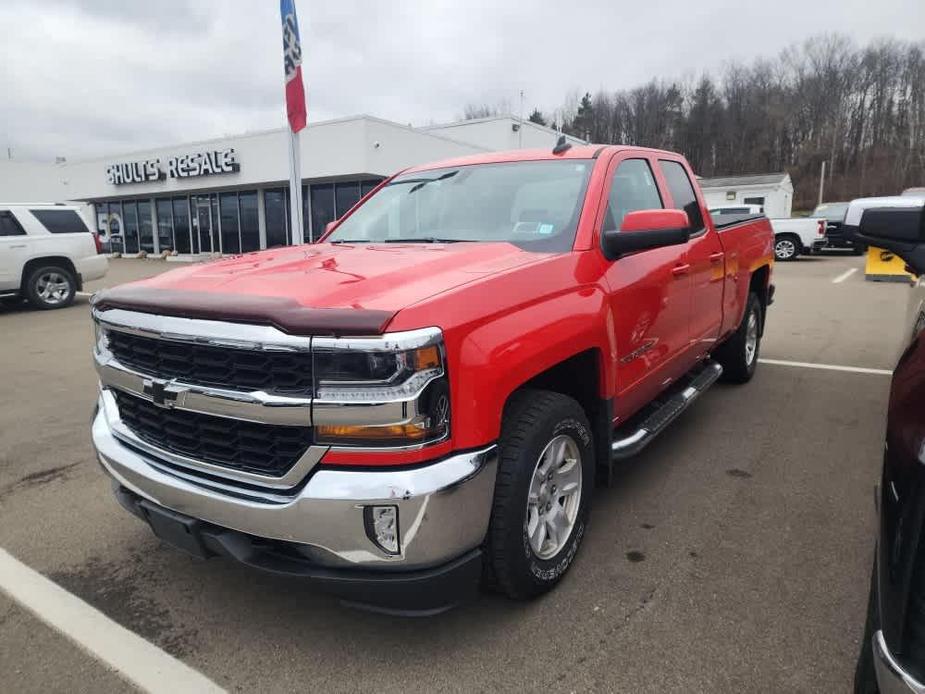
732 555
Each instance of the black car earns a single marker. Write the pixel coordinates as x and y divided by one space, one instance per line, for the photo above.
836 235
893 652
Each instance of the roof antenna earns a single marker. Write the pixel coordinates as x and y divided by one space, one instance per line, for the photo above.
561 145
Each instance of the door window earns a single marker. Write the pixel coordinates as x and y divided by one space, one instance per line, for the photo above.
632 188
9 225
682 192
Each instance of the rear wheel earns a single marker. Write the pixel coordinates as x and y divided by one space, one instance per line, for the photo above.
787 247
50 287
739 354
542 494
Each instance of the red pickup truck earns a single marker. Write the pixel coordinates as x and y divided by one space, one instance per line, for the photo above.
423 401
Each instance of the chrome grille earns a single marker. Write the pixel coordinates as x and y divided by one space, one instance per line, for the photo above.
245 446
226 367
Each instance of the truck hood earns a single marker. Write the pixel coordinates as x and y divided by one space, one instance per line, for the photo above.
317 289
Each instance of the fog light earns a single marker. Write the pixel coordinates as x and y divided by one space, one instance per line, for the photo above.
382 526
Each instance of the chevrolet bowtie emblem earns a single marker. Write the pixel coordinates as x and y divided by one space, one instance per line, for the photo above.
161 393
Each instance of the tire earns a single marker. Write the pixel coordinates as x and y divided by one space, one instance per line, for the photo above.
858 250
787 247
51 286
865 674
738 355
540 428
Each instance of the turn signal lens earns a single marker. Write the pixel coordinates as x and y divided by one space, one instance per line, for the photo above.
427 358
342 433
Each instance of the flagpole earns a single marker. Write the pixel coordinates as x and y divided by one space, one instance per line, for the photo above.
295 190
296 114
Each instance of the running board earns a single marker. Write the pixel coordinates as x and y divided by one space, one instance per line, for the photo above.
666 413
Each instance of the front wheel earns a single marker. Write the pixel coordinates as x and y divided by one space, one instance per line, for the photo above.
739 354
786 247
542 494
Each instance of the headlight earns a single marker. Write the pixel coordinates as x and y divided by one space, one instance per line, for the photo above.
404 373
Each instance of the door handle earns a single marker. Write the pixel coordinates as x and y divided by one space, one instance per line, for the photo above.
716 257
679 270
18 245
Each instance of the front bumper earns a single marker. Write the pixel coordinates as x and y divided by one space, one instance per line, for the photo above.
443 507
890 675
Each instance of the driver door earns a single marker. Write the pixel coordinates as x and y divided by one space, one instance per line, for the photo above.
649 294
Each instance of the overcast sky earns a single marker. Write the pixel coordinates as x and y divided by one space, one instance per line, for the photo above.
86 79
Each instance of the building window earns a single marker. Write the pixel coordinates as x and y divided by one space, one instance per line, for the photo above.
130 228
250 226
164 225
181 226
145 226
308 235
216 225
322 208
754 201
367 186
346 196
276 212
231 240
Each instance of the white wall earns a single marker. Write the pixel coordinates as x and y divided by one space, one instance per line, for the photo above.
341 148
391 147
778 201
30 182
498 134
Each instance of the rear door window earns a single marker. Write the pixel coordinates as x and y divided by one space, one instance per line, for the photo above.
632 188
9 225
682 192
61 221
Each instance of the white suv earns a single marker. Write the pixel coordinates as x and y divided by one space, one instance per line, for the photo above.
46 254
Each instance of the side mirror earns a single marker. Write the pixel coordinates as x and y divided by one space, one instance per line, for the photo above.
329 226
646 229
900 230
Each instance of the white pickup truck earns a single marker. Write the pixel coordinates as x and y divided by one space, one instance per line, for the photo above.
792 236
46 254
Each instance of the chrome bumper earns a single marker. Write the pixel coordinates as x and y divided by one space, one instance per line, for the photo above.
890 675
443 508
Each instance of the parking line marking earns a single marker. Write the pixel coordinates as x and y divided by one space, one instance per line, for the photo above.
827 367
845 275
138 661
84 293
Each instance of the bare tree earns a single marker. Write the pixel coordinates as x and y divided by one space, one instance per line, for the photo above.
860 109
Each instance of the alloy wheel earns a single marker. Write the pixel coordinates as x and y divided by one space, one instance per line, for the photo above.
53 288
554 497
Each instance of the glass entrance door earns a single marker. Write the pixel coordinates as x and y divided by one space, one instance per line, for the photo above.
202 218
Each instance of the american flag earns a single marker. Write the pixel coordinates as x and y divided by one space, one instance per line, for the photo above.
292 62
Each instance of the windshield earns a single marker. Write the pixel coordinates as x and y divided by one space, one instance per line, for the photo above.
533 204
833 211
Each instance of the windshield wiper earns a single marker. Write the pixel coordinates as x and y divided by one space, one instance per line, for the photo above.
423 183
424 239
350 241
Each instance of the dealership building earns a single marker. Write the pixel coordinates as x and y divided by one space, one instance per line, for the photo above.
231 195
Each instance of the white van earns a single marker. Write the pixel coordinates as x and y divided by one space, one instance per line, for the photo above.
47 252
